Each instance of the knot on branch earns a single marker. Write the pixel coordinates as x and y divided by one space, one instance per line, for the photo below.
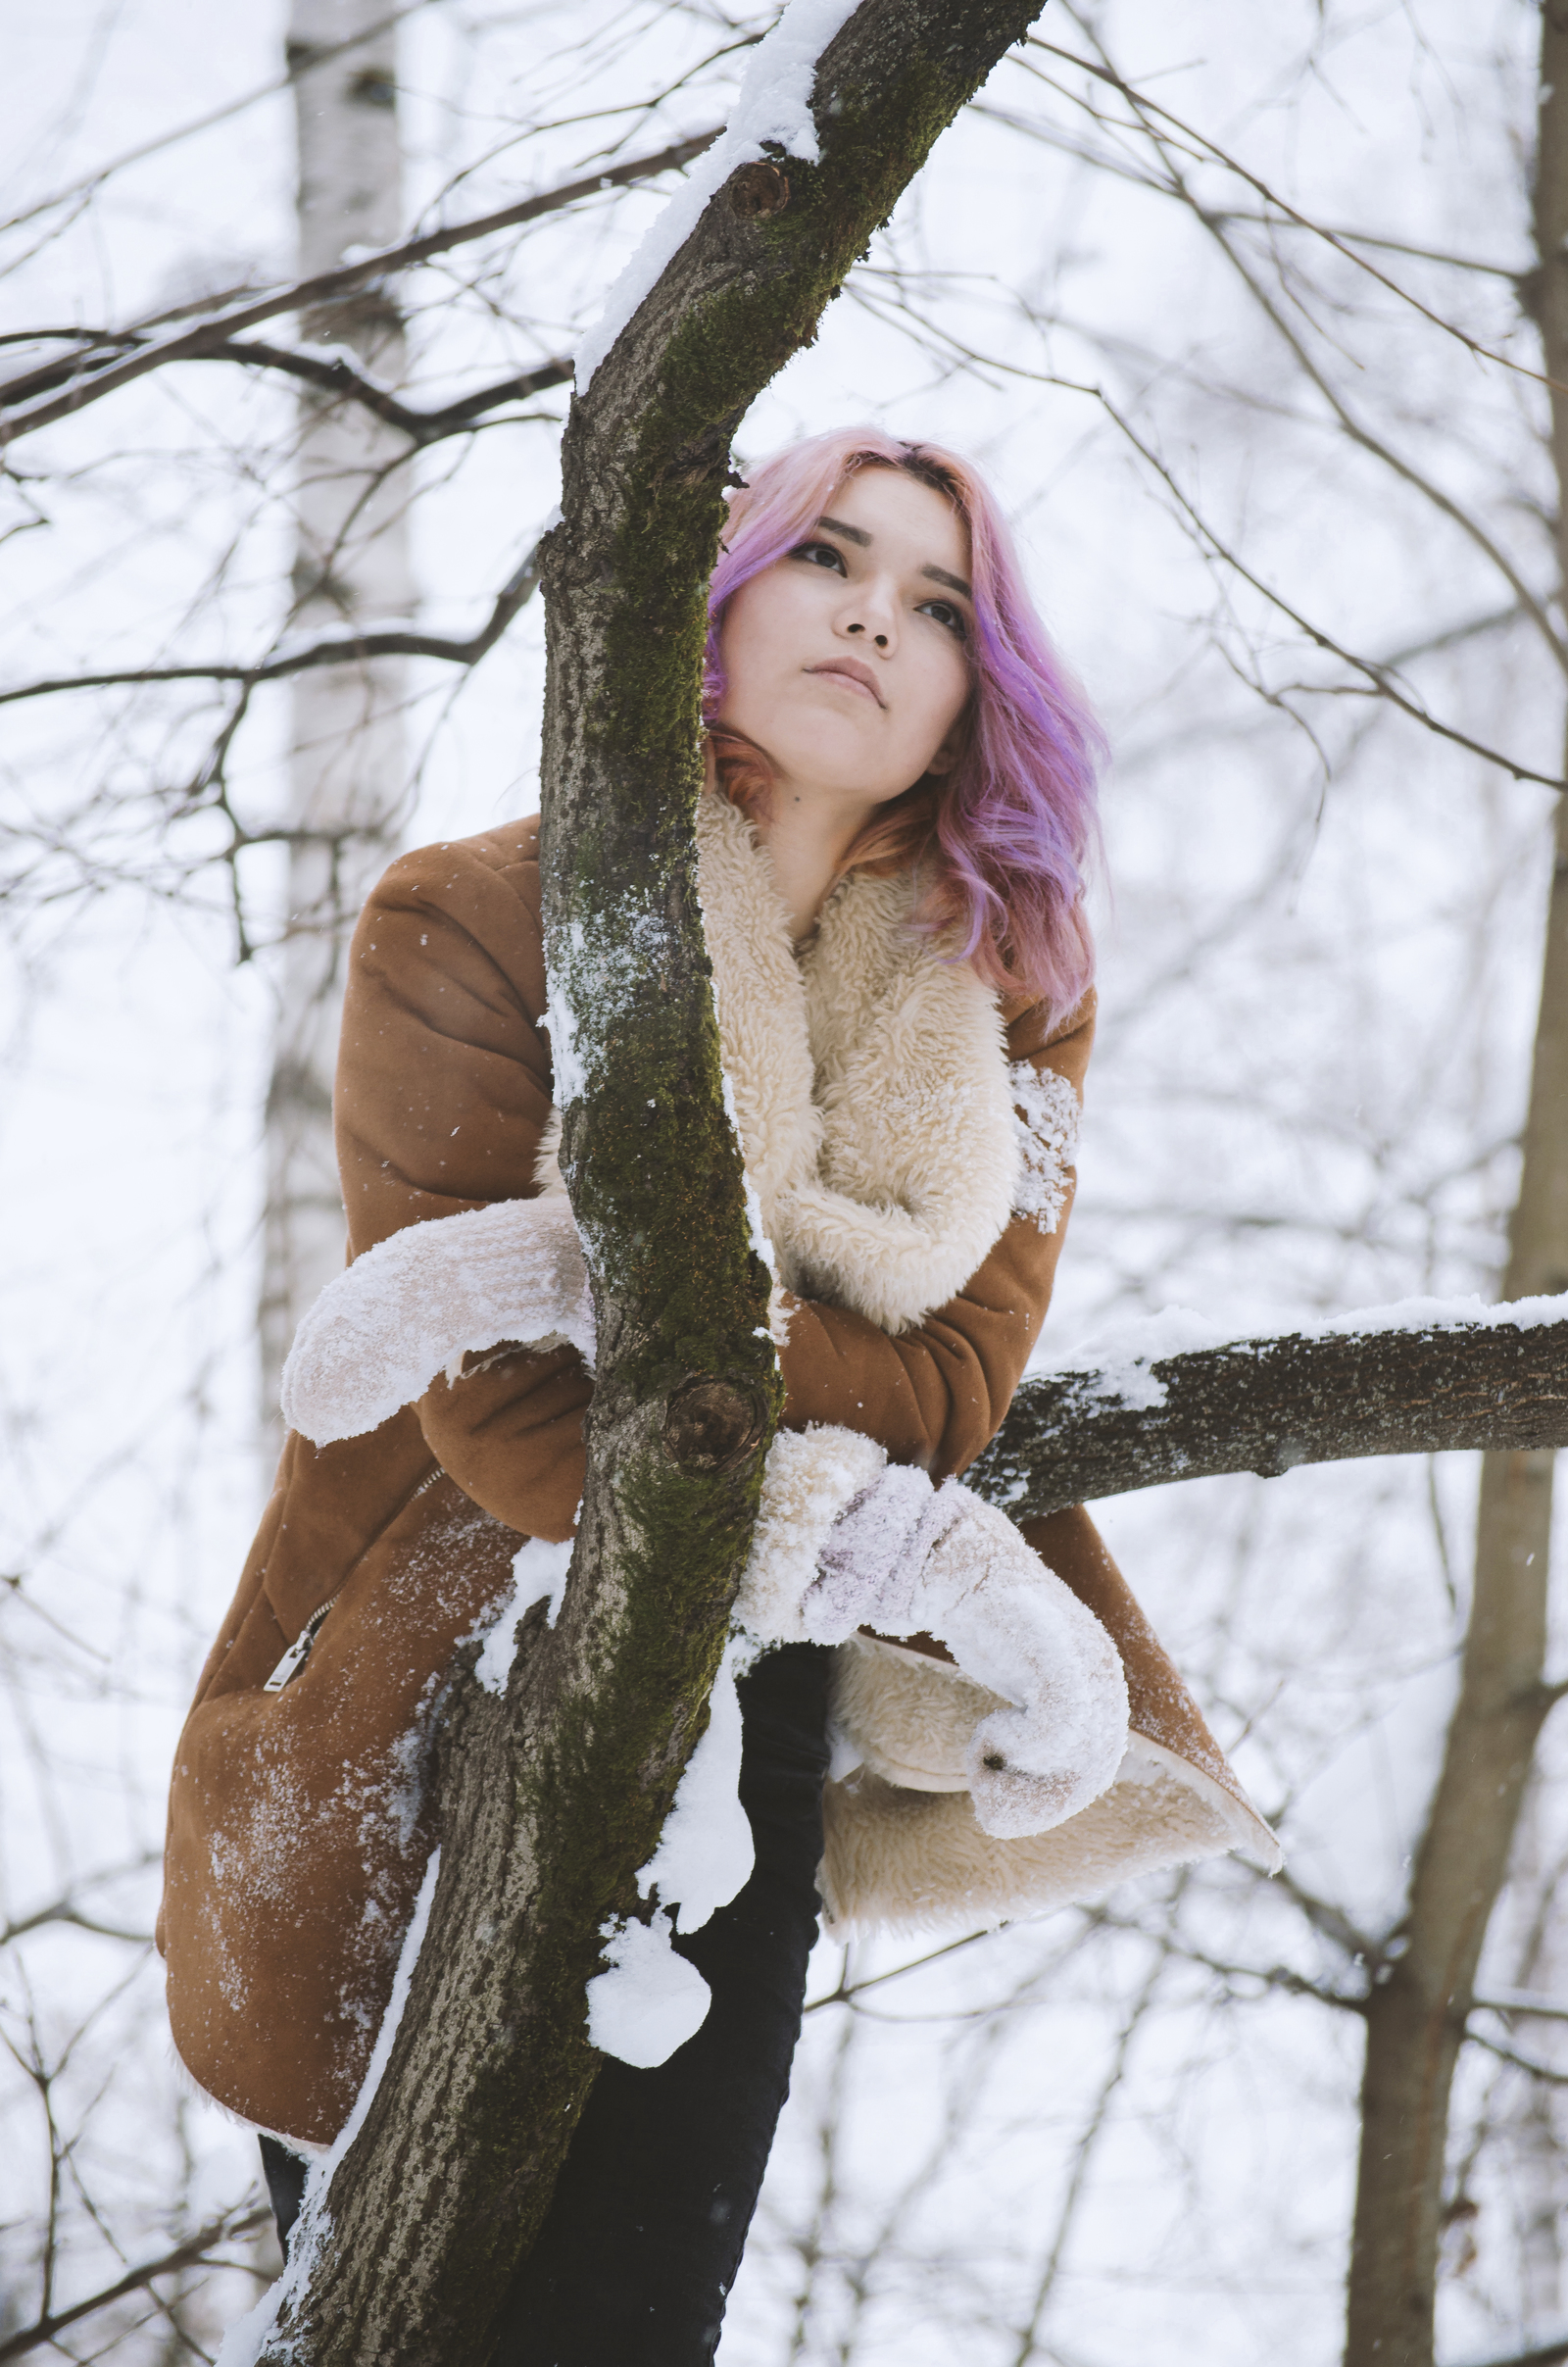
712 1426
759 190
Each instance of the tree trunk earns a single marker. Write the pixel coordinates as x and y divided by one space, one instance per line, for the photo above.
555 1796
346 767
1417 2011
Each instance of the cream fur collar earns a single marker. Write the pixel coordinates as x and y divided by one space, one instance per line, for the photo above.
870 1083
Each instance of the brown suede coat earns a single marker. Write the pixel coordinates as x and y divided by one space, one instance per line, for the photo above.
300 1818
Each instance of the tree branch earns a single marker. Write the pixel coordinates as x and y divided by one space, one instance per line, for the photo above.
350 645
29 402
334 374
188 2254
1551 2354
1374 1385
66 1910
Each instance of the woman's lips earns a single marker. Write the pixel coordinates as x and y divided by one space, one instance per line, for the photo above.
850 671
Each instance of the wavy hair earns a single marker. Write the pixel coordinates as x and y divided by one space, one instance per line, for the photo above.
1001 843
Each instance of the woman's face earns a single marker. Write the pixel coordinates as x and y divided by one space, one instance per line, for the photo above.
847 660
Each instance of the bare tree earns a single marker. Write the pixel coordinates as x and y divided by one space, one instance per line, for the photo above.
1424 1992
349 759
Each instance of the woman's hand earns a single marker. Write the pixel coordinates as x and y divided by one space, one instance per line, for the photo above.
906 1558
420 1301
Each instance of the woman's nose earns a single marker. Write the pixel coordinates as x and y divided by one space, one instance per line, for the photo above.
881 639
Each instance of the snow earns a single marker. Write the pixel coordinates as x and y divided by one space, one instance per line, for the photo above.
1046 1118
570 1073
706 1854
539 1570
1116 1365
651 2001
772 106
761 1246
648 2002
243 2343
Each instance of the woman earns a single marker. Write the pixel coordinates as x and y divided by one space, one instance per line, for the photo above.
891 849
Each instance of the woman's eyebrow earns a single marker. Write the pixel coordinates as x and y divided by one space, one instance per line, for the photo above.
836 525
859 534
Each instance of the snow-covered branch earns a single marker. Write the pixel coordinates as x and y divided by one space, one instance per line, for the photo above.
1163 1402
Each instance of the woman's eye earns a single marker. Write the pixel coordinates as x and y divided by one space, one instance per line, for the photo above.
945 613
820 555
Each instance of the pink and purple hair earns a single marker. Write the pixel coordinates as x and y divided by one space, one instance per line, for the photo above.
1003 840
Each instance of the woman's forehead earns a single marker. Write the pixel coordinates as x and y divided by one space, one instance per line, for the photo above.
891 510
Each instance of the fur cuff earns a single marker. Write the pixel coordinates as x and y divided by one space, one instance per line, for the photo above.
417 1303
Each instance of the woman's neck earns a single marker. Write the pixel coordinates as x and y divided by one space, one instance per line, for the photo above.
808 834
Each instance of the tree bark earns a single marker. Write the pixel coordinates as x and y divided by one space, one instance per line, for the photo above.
1416 2015
348 765
555 1796
1268 1405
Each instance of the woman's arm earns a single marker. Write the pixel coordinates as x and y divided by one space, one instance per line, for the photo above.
443 1097
937 1394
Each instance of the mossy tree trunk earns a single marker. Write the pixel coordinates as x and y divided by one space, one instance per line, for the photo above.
555 1796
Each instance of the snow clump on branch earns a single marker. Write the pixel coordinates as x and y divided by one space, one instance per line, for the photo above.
773 106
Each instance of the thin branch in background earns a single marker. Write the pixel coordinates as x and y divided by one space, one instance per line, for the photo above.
353 645
1029 2334
1520 2062
195 2252
334 373
1201 144
24 409
92 183
1352 427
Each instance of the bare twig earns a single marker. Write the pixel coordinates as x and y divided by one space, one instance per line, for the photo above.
345 646
298 69
335 374
27 405
1145 108
189 2254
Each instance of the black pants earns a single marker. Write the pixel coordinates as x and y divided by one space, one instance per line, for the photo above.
643 2238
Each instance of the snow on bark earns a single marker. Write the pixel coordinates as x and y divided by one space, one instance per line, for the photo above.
772 108
539 1574
1174 1398
706 1853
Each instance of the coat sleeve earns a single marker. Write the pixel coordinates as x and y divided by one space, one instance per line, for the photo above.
937 1394
443 1095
